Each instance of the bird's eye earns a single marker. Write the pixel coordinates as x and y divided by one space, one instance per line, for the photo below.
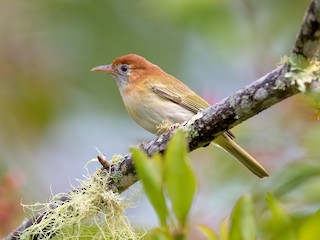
124 68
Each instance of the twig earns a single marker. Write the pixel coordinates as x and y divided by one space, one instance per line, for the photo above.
103 162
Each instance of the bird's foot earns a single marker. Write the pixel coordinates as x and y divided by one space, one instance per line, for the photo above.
163 127
174 126
166 127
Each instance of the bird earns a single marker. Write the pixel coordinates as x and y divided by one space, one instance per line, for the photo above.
157 100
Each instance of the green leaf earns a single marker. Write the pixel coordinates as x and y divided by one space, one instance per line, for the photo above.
309 229
297 174
159 234
207 232
242 220
150 171
223 229
280 224
279 215
179 178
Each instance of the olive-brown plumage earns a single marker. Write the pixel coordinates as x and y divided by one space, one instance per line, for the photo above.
155 99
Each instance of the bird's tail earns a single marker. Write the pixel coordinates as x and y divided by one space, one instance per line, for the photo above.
241 155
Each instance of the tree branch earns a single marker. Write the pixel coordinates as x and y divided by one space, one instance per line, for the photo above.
307 41
270 89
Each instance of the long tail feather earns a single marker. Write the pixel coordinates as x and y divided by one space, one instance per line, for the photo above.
241 155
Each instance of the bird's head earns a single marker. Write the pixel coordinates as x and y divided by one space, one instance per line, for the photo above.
128 69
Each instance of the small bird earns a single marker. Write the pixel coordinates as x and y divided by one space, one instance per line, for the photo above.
156 100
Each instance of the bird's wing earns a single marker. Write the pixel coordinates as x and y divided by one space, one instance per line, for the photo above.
185 97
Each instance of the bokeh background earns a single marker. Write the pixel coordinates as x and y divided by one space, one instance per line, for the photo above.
54 111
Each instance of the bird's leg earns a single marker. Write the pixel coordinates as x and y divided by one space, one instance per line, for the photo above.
163 127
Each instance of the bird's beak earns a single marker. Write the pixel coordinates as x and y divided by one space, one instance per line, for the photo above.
104 68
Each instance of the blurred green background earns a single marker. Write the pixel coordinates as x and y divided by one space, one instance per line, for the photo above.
54 111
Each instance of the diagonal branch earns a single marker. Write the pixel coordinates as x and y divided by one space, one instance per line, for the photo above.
307 41
275 86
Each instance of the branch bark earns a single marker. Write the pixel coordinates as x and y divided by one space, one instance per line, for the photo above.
307 41
270 89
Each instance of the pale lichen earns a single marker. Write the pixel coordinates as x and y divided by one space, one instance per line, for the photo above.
303 71
193 133
88 211
243 107
116 159
232 102
245 101
283 60
260 95
188 126
280 84
117 176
